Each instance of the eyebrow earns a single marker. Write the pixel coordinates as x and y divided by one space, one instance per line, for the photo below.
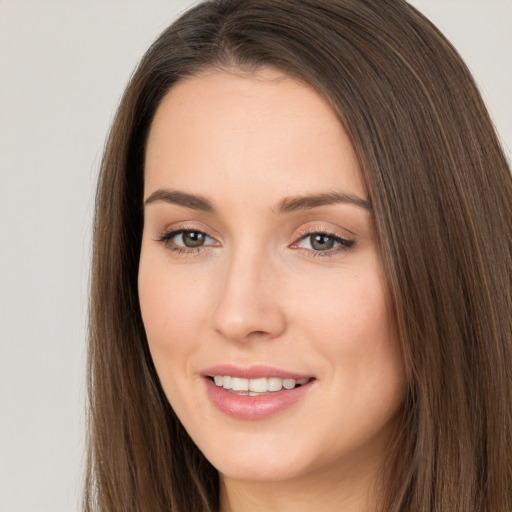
291 204
181 199
286 205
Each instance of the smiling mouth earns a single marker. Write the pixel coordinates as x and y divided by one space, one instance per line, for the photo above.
256 387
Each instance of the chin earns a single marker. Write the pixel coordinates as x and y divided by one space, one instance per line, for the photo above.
257 457
266 470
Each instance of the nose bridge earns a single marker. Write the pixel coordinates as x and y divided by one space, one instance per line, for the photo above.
247 303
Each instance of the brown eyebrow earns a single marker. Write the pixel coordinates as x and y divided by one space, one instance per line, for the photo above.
290 204
286 205
181 199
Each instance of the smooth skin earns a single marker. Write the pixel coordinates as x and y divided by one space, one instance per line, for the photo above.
243 271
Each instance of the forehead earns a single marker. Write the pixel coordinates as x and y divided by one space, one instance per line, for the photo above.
255 132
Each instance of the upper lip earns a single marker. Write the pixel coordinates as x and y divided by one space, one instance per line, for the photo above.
252 372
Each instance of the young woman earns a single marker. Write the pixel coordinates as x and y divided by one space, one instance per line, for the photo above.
301 289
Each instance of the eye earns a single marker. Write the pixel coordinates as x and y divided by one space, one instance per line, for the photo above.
321 242
190 238
184 239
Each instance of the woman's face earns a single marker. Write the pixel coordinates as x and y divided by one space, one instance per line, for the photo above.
260 282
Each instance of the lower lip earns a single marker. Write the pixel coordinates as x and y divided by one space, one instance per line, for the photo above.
245 407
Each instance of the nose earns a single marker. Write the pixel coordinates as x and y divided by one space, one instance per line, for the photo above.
248 305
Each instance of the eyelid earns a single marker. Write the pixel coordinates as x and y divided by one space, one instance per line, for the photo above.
175 232
326 229
170 232
198 226
344 242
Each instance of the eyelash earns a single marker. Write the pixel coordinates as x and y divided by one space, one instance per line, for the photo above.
344 244
167 237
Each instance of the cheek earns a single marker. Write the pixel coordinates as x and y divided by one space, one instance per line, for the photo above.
351 325
173 307
351 312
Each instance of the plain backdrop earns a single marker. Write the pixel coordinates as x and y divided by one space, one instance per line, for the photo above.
63 67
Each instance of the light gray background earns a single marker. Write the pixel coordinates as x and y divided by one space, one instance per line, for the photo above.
63 66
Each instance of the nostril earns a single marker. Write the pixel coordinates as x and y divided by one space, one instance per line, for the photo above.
258 333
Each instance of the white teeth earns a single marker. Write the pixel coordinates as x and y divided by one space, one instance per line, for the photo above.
274 384
238 384
288 383
256 386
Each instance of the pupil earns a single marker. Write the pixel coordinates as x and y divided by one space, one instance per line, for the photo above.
193 238
322 242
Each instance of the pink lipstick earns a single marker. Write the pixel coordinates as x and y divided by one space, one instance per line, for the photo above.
256 392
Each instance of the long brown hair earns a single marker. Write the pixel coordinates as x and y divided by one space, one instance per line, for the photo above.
441 193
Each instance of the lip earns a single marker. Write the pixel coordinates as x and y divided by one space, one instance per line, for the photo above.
252 372
245 407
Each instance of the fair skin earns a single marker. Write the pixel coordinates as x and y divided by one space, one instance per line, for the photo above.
240 275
